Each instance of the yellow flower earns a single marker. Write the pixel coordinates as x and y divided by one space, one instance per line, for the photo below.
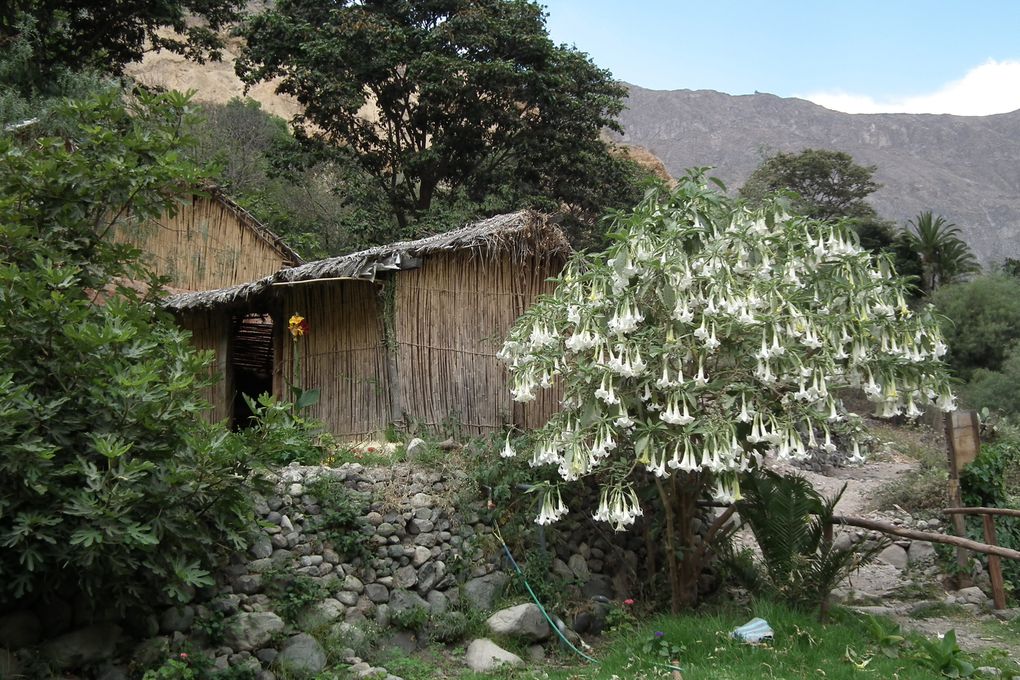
298 325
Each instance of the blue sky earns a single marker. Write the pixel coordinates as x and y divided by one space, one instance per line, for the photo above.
920 56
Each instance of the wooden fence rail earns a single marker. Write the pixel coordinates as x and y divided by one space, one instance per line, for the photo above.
990 547
916 535
1008 512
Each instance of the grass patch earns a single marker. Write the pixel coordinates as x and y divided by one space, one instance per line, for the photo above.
922 490
1002 629
845 649
369 454
852 647
421 666
916 590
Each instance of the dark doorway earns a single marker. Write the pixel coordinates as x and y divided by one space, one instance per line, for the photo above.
251 362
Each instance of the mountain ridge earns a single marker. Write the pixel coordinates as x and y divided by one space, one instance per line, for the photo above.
966 168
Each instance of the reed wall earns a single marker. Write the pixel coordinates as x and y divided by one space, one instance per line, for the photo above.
210 330
451 318
344 354
447 321
206 245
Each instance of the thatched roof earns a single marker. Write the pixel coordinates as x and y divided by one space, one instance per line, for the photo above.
520 234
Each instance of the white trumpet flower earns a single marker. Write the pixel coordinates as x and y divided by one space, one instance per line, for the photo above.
508 450
551 512
700 379
606 392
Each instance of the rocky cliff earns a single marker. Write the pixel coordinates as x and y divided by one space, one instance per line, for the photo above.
964 167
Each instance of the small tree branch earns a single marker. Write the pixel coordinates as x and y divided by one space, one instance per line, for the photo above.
714 529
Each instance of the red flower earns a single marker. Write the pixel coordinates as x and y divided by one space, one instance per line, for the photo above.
183 656
629 601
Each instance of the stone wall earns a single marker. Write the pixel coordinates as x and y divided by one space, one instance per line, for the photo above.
428 547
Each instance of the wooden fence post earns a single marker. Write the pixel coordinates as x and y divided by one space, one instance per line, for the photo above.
962 444
994 564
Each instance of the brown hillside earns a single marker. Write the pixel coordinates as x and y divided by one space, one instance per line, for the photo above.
213 82
216 82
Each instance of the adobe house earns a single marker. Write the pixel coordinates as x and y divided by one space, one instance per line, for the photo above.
405 333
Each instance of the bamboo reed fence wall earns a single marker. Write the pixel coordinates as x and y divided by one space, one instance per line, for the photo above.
343 354
452 316
210 330
208 244
447 320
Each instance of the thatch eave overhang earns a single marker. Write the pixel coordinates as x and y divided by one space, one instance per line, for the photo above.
520 235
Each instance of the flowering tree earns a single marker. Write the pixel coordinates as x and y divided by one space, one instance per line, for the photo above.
708 336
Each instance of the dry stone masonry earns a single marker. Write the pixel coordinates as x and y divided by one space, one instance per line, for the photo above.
427 548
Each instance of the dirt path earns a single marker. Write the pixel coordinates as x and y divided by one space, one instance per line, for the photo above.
862 483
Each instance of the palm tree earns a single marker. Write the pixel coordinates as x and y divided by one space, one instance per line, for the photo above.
943 255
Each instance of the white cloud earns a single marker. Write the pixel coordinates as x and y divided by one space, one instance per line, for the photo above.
992 87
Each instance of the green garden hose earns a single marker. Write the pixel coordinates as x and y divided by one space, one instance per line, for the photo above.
552 624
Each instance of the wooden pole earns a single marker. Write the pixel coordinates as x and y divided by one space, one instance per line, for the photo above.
388 310
957 541
994 564
1008 512
824 605
955 501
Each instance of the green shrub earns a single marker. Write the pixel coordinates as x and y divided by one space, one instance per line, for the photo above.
291 592
983 480
212 627
280 436
413 619
340 518
552 590
456 625
995 390
197 666
982 322
943 656
110 481
989 481
788 517
173 669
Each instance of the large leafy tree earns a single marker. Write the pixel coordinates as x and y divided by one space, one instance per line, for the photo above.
942 254
829 184
707 336
54 36
457 100
982 322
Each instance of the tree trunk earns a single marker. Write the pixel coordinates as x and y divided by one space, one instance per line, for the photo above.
670 556
683 559
426 190
685 501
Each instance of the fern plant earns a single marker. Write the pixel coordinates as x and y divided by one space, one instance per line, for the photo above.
788 518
